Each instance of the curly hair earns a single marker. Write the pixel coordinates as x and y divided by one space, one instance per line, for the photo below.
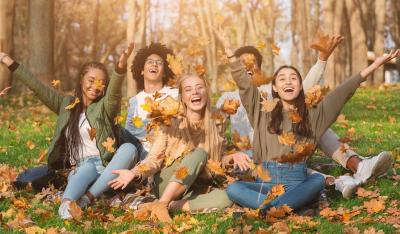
250 50
140 59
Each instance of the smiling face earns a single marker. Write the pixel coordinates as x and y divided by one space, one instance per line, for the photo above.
287 84
153 69
92 85
194 94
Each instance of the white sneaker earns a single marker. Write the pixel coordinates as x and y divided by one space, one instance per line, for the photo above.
63 210
347 185
373 167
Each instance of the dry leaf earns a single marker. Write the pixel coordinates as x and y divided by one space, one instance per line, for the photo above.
75 211
249 60
30 145
175 64
55 83
261 45
137 122
108 144
181 173
230 106
342 121
143 168
295 116
275 49
287 138
315 94
169 106
241 142
92 133
269 105
42 156
320 41
200 70
374 205
99 84
263 173
4 91
392 119
72 105
215 167
277 190
157 95
258 78
118 119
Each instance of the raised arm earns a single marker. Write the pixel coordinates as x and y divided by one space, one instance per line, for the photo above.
316 73
47 95
112 98
330 107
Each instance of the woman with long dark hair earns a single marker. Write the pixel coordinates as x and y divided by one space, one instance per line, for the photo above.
85 135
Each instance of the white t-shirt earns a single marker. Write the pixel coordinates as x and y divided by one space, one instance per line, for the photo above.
89 147
135 109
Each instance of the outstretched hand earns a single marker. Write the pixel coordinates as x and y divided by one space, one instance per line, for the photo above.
379 62
241 161
333 42
123 59
123 179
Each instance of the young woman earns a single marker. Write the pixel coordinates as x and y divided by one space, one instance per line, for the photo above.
82 127
190 141
269 126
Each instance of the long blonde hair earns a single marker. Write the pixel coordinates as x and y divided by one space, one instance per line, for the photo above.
212 135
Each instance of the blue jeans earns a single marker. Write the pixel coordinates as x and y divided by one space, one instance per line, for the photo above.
300 189
91 171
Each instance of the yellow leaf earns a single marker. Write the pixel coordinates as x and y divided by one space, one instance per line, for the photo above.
230 106
118 119
261 45
175 64
263 173
200 70
72 105
137 121
269 105
181 173
108 144
275 49
30 145
287 138
215 167
55 83
42 156
99 84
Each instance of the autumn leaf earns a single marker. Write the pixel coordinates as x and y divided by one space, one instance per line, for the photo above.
320 41
315 94
249 61
169 106
157 95
143 168
361 192
72 105
200 70
259 78
263 173
230 106
181 173
108 144
118 119
275 49
327 213
269 105
30 145
92 133
42 156
295 116
261 45
137 122
175 64
75 211
99 84
374 205
277 190
34 230
241 142
215 167
168 161
55 83
287 138
392 119
342 121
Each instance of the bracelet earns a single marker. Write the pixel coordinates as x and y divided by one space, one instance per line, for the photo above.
1 59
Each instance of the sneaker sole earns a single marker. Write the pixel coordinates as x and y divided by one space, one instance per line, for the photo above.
383 165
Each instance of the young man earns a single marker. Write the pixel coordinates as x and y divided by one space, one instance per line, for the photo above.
363 168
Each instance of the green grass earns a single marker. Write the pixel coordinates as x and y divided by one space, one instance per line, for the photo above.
374 133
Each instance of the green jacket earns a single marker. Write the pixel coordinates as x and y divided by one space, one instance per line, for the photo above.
100 114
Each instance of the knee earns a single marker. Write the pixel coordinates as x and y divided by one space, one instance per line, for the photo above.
233 189
222 197
128 150
318 181
201 156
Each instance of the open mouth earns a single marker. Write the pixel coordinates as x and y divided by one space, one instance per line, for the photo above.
196 100
288 90
153 70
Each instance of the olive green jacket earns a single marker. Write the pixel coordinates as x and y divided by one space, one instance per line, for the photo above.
100 114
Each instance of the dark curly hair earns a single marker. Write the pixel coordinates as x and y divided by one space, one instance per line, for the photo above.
250 50
140 59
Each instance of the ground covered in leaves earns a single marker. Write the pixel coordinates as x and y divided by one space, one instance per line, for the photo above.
371 121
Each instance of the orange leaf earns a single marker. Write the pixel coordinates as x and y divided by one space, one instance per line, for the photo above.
181 173
277 190
42 156
261 45
259 78
275 49
157 95
269 105
287 138
200 70
143 168
108 144
215 167
92 133
263 173
230 106
241 142
99 84
374 205
320 41
175 64
72 105
295 116
342 121
30 145
75 211
55 83
315 94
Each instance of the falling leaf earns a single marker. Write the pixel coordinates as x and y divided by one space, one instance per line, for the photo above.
269 105
137 122
374 205
315 94
118 119
295 116
157 95
99 84
320 41
277 190
263 173
241 142
181 173
275 49
169 106
259 78
249 61
75 211
175 64
55 83
42 156
230 106
30 145
72 105
200 70
287 138
4 91
108 144
392 119
261 45
92 133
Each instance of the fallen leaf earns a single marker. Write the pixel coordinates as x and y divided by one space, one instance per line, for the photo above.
108 144
200 70
277 190
75 211
392 119
4 91
92 133
34 230
181 173
55 83
374 205
215 167
263 173
30 145
72 105
42 156
287 138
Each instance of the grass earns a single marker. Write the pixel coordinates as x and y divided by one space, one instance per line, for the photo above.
373 113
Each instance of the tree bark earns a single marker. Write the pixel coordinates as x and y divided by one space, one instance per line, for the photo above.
41 39
379 43
130 37
6 41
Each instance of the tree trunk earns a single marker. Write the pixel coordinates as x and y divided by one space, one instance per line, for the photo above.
6 41
130 37
249 20
379 43
41 39
95 31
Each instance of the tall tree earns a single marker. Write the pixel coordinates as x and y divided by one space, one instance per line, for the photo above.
6 40
130 34
41 39
379 43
